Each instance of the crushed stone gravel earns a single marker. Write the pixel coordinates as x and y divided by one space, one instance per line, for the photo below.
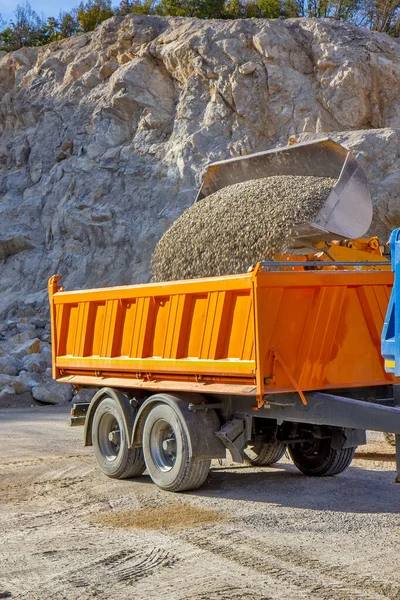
171 516
237 226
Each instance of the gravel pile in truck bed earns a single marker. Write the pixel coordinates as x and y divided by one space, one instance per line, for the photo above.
237 226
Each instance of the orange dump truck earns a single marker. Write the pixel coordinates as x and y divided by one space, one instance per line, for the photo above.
254 363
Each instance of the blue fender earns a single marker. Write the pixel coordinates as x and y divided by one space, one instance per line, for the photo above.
390 340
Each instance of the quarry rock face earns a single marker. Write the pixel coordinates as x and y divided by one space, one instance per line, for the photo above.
105 137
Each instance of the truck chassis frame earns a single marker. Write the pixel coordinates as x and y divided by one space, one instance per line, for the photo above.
233 422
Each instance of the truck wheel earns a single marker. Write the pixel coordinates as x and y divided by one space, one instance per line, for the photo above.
264 454
166 452
110 443
319 459
390 438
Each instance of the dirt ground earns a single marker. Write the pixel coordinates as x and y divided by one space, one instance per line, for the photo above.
68 532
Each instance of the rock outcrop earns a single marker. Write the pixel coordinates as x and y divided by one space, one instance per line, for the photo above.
104 137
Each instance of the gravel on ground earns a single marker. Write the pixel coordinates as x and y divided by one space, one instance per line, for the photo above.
248 534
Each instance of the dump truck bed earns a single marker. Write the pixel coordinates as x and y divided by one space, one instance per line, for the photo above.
253 334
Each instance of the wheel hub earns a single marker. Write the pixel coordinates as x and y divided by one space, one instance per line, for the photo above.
109 435
163 445
169 445
114 436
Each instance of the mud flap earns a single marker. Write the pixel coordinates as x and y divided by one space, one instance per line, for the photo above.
348 438
235 435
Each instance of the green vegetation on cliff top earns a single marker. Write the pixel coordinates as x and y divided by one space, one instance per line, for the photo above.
27 28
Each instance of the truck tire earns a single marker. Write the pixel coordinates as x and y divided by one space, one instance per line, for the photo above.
263 455
390 438
110 444
317 458
166 452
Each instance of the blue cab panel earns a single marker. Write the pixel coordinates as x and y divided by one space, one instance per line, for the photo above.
390 341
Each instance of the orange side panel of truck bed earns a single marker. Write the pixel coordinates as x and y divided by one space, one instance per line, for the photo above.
251 334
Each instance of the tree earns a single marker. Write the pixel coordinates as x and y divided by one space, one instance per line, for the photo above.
49 32
381 15
346 10
234 9
202 9
293 8
127 7
68 23
207 9
172 8
26 29
93 12
262 9
29 29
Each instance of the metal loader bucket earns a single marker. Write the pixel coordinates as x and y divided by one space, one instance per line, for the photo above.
347 211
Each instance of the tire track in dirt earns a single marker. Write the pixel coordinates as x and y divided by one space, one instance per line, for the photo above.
292 567
352 580
156 559
32 481
229 593
236 551
37 460
124 566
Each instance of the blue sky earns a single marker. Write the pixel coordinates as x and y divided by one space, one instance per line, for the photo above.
46 7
